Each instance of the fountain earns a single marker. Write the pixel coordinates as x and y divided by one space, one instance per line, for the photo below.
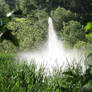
55 55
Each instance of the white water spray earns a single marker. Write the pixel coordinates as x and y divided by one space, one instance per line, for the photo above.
10 14
55 55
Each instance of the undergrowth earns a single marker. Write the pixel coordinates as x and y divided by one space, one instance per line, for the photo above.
15 77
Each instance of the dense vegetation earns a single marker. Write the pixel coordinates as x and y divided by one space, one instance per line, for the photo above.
29 22
16 77
27 28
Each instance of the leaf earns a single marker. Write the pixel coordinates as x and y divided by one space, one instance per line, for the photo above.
88 26
88 35
57 90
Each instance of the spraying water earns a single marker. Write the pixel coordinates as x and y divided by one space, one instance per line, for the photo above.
55 55
10 14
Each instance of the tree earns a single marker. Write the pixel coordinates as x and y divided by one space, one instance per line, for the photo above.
72 32
82 7
61 15
26 6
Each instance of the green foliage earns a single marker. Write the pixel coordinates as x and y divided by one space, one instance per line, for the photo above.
31 31
26 6
16 76
34 30
4 8
32 16
6 32
89 26
30 21
83 8
80 45
88 30
87 87
72 32
30 25
61 15
8 47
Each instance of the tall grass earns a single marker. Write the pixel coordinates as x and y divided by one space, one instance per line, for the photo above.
15 77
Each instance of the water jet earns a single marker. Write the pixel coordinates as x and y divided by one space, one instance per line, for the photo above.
54 55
